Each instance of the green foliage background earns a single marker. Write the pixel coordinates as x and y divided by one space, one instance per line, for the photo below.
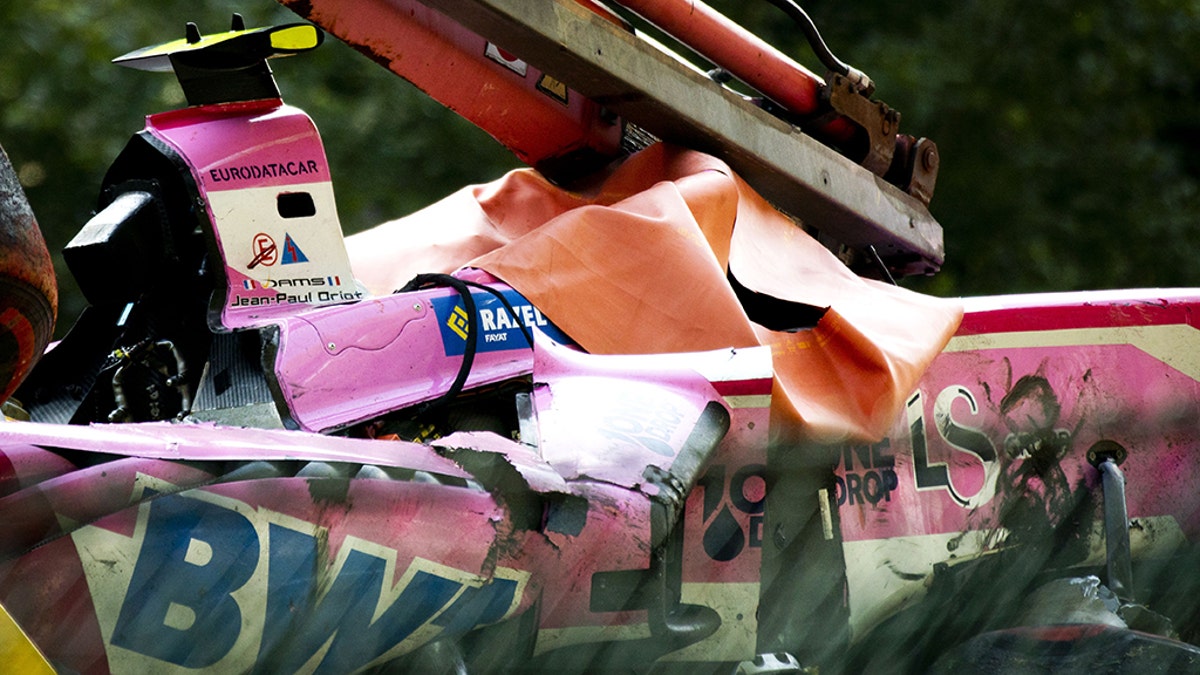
1069 130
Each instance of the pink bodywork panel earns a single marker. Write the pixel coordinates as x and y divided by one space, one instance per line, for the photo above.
1064 370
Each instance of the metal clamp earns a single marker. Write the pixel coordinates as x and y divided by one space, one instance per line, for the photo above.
1105 456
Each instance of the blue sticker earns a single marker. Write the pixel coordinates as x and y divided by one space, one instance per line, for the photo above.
165 578
291 252
498 328
335 617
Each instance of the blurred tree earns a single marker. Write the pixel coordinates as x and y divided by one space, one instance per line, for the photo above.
1069 130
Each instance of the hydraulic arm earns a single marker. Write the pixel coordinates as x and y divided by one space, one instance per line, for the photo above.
569 85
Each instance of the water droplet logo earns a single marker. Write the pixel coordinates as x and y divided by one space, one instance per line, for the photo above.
723 538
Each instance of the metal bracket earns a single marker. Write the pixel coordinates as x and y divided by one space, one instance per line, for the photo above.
875 117
1105 456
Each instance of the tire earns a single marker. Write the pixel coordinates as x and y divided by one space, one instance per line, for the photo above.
28 294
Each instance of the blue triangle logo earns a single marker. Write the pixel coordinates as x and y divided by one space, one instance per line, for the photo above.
291 252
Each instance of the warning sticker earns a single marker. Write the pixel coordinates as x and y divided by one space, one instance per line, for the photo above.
553 88
291 252
264 251
506 59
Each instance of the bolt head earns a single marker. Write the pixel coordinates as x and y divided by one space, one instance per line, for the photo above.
929 159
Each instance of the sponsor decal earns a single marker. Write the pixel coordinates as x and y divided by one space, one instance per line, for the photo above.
308 290
641 418
264 251
458 322
958 438
499 329
291 252
298 261
306 167
206 581
869 475
746 491
965 467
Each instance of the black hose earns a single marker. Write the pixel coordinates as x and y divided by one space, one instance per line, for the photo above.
464 370
507 306
822 51
463 288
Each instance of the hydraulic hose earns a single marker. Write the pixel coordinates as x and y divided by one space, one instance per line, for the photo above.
820 49
740 52
747 57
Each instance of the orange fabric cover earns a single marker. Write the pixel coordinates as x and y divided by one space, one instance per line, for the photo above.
638 264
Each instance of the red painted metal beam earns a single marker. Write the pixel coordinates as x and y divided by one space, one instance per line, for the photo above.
747 57
531 113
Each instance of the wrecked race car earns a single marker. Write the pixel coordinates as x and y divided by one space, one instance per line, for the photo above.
630 417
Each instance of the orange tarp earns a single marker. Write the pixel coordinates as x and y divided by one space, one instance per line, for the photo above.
638 264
